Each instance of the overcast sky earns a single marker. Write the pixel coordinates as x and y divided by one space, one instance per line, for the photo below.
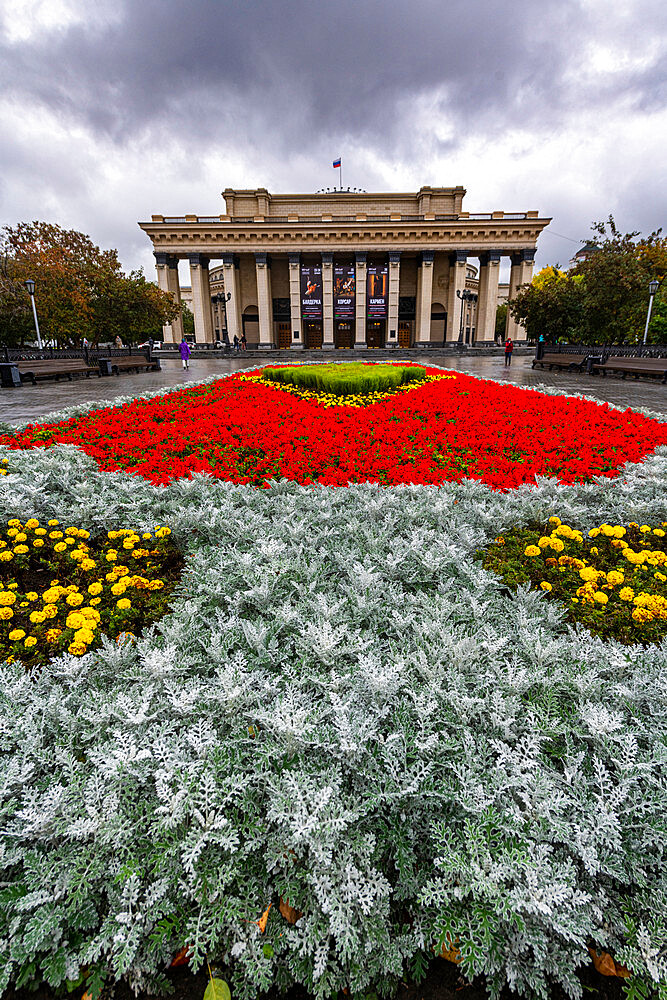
114 110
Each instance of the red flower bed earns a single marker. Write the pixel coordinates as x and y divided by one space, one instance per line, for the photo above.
247 433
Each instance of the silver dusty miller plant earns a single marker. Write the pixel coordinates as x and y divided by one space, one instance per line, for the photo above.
344 710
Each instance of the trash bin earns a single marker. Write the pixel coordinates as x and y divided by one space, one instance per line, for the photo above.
9 374
105 366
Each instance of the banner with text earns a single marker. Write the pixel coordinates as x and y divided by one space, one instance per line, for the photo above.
343 291
311 291
377 287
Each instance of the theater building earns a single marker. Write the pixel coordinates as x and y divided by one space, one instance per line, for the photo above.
342 270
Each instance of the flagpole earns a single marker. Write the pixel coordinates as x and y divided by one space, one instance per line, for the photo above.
340 174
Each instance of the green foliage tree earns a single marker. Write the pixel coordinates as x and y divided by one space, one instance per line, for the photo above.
551 306
80 290
501 321
188 319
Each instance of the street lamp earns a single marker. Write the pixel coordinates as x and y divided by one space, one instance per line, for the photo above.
652 289
465 296
30 285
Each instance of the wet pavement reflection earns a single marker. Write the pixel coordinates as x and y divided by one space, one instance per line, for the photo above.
31 402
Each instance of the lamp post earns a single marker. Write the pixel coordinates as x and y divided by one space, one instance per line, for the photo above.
30 285
652 289
465 296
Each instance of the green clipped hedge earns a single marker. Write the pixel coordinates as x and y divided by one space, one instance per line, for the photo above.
346 379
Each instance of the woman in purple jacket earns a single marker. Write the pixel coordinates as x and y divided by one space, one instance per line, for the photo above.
185 353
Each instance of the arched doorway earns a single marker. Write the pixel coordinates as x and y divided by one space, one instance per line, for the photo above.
438 323
250 320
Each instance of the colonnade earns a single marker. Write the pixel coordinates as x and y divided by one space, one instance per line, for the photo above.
520 273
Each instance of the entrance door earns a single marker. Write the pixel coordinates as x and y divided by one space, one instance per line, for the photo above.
313 334
404 334
375 334
284 336
344 336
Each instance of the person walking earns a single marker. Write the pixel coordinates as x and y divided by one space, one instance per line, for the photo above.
237 343
509 347
118 342
243 341
184 351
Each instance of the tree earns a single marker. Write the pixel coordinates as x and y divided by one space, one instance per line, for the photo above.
80 290
615 282
501 321
551 306
188 319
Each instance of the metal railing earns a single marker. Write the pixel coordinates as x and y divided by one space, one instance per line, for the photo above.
9 354
608 350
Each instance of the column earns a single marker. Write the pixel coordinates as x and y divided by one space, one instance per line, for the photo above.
201 298
487 302
457 283
391 339
327 302
167 279
360 301
424 298
295 301
233 304
521 273
264 302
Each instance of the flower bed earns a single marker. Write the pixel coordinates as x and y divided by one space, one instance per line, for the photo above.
345 710
450 429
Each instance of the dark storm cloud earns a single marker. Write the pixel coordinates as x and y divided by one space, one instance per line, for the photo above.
233 72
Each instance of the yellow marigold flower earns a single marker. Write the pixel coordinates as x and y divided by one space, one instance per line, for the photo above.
645 528
544 542
50 611
88 564
599 597
95 588
607 530
31 523
119 589
83 533
40 531
557 545
95 600
124 604
588 574
21 537
71 531
74 600
594 532
14 523
12 586
52 523
6 556
7 598
642 615
77 648
84 635
626 594
614 578
554 520
59 547
77 554
128 543
6 614
31 596
16 634
53 634
594 550
21 550
659 532
147 534
12 532
70 541
37 617
29 641
75 620
546 586
111 557
155 585
660 576
38 543
112 534
564 530
55 534
636 558
3 543
531 550
51 596
162 532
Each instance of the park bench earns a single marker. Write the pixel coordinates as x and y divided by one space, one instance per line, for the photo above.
634 366
573 362
57 368
134 364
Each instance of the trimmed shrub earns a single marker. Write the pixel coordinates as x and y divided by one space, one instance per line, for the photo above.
346 379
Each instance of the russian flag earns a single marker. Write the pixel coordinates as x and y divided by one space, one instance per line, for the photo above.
336 163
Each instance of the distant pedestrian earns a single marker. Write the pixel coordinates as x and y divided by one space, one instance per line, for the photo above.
237 343
150 344
184 351
243 341
118 342
509 347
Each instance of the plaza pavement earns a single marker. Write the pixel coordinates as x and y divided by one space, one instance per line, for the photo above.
30 402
